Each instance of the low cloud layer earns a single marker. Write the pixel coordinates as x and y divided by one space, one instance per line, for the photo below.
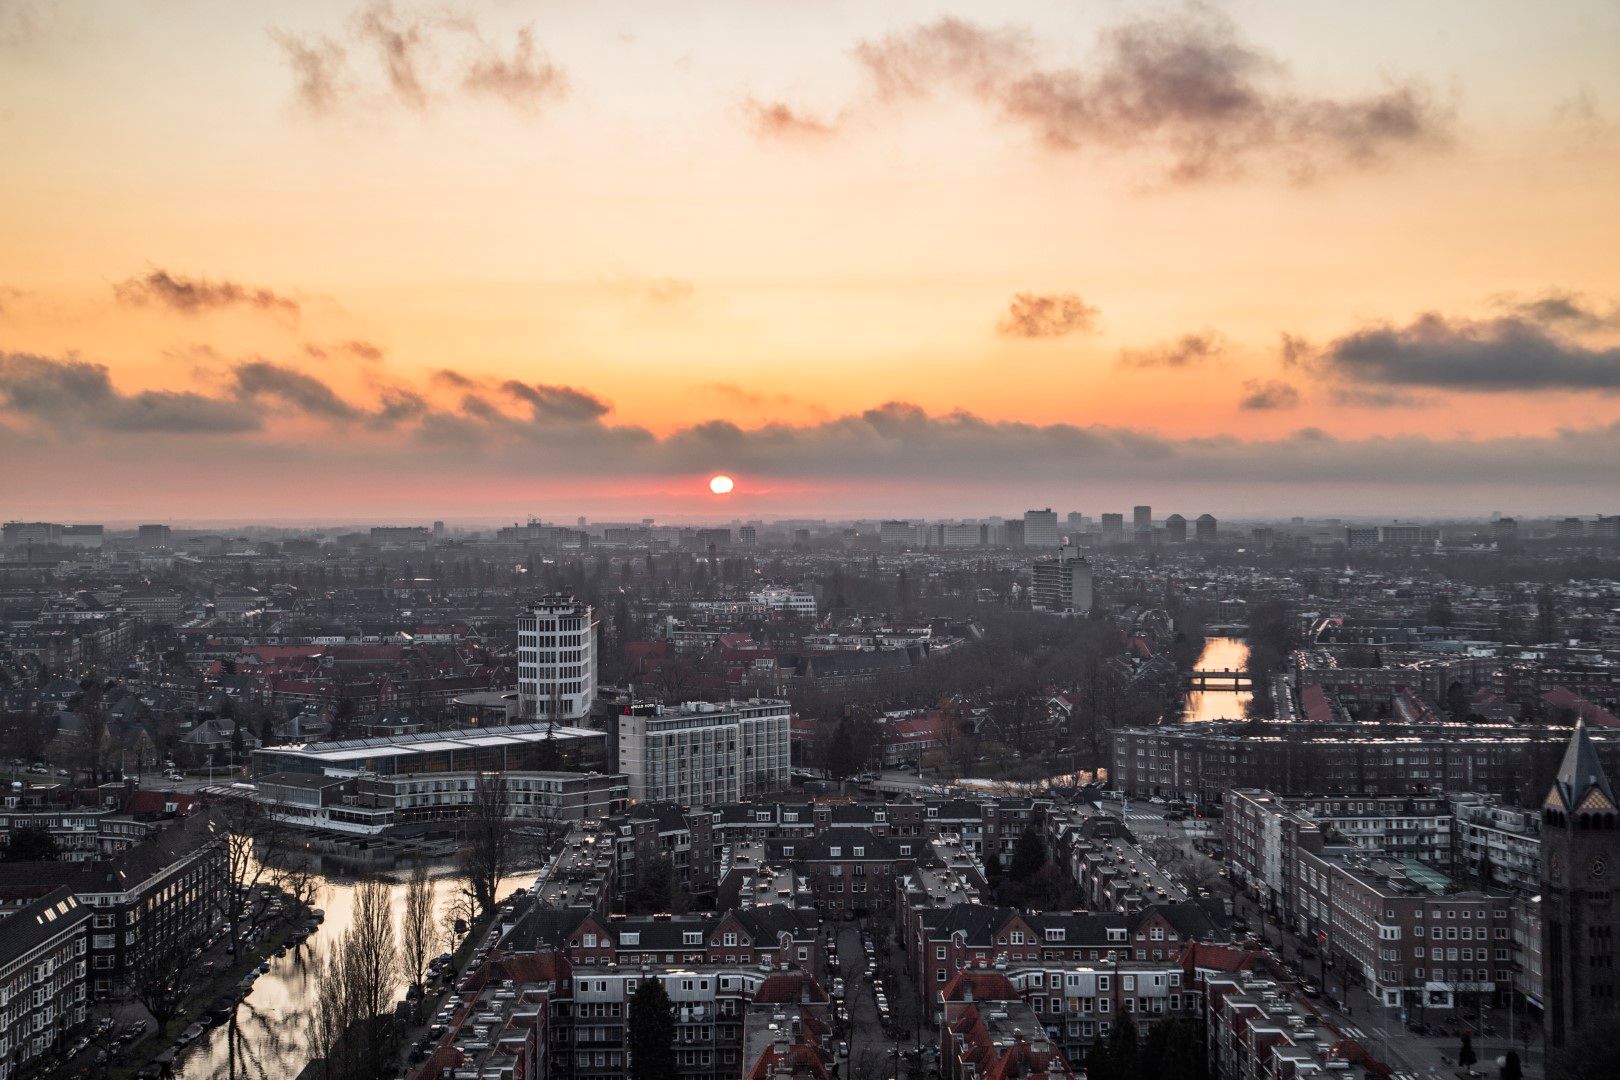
1047 315
549 433
415 58
195 296
1185 86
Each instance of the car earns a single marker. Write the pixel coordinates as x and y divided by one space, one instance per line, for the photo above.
838 988
61 772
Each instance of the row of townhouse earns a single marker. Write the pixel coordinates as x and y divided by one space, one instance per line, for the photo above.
771 937
942 941
43 984
846 858
535 1014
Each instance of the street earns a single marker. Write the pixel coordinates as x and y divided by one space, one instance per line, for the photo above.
1381 1030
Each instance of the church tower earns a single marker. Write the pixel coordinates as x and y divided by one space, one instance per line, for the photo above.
1580 905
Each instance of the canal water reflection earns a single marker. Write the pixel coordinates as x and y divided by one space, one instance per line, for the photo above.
268 1037
1220 654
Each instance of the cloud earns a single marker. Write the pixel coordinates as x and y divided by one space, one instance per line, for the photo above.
1361 397
1296 352
1185 86
778 119
319 68
1564 310
361 350
259 379
71 395
1268 394
1046 315
399 45
560 403
1186 351
525 79
1505 354
424 57
193 296
73 414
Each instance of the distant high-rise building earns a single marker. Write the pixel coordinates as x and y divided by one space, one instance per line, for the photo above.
1113 529
1571 528
1076 522
961 534
556 660
438 531
747 535
1175 529
153 536
1580 906
31 532
1360 538
1041 528
1205 528
1505 531
1142 520
84 536
1012 533
801 537
1063 583
897 533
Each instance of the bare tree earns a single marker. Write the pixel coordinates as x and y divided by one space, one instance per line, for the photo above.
333 1008
372 958
416 932
486 846
162 966
250 837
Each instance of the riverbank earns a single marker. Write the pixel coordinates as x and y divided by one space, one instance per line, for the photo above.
226 984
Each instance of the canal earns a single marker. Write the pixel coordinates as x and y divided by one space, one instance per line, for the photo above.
268 1035
1202 706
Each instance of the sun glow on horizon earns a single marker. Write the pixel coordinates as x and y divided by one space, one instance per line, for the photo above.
721 484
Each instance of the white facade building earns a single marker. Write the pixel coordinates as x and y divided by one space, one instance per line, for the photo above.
800 603
556 660
700 754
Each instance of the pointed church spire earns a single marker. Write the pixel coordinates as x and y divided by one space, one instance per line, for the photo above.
1580 772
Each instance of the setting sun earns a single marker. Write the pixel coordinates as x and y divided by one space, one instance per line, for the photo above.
721 485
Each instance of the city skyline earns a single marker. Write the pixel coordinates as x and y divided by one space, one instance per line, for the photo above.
1248 258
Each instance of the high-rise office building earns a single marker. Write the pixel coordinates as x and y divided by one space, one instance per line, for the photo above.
1142 520
1113 529
556 660
1175 529
1063 583
1580 906
1041 528
153 536
700 754
1205 529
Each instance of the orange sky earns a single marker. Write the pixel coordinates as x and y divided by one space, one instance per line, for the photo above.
783 216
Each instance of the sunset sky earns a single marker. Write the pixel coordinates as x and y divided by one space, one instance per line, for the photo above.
334 261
